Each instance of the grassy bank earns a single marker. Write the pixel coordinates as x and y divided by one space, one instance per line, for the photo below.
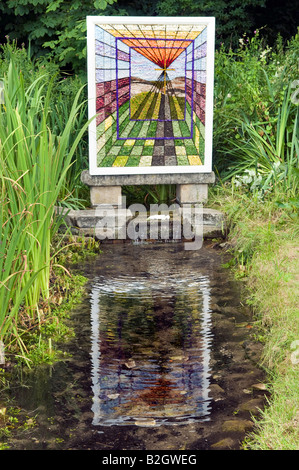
264 239
256 158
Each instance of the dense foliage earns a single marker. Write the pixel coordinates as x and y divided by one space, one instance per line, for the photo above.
59 26
255 148
39 134
256 115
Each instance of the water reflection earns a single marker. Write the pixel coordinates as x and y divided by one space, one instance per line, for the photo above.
151 340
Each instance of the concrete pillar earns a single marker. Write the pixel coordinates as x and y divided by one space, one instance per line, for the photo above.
105 195
192 193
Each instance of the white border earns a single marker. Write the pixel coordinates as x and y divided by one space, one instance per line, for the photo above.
91 22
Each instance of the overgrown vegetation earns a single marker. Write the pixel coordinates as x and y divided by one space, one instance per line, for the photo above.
257 162
256 119
58 27
264 243
36 154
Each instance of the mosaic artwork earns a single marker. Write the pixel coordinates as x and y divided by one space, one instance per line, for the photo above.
150 94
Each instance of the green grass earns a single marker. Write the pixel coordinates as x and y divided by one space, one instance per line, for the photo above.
265 240
143 106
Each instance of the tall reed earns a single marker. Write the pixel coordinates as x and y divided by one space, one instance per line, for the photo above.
33 163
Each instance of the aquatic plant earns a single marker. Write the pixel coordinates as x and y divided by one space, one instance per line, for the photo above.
34 160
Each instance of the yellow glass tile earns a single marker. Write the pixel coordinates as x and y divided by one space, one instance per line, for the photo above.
108 122
120 160
129 142
149 142
180 150
197 138
194 160
145 161
180 114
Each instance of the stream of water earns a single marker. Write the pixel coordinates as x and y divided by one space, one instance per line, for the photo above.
163 358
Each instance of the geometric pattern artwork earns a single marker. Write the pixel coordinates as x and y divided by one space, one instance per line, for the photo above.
150 94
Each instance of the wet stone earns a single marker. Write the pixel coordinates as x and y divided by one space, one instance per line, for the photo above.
253 406
216 390
225 444
237 425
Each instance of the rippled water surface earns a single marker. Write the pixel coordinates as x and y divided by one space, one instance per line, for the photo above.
151 345
161 342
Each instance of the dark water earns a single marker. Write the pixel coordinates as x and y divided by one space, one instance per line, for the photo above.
163 357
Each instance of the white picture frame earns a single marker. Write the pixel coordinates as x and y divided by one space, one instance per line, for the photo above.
133 46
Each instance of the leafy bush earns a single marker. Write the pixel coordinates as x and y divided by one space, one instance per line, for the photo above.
57 27
256 119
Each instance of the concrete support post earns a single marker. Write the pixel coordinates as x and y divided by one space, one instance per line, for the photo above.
191 193
105 195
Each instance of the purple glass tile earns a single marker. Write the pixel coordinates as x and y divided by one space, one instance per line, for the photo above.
200 51
100 89
100 117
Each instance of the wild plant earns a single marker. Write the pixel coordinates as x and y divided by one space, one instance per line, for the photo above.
34 161
256 119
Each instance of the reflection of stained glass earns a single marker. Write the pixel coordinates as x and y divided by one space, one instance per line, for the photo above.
151 93
151 350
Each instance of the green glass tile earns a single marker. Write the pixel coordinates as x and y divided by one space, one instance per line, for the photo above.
176 129
136 129
144 130
182 160
191 149
133 161
126 150
100 157
114 150
147 151
184 129
136 150
107 162
100 129
152 129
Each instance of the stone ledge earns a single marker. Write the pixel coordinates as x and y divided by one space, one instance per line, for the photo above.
147 179
87 222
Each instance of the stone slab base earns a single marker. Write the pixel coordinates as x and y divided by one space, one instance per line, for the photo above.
147 179
107 223
191 193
